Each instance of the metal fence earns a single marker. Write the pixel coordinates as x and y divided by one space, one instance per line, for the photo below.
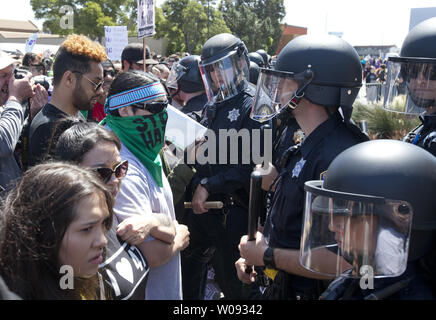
372 92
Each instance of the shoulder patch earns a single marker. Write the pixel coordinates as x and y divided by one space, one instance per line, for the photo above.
322 175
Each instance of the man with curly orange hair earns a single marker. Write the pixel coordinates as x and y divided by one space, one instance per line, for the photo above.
77 83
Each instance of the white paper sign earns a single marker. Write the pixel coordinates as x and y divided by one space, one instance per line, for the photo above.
182 130
116 40
146 18
30 43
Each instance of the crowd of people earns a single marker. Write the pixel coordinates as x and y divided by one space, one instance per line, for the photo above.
97 204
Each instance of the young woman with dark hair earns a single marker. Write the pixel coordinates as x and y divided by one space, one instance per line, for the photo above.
56 216
125 268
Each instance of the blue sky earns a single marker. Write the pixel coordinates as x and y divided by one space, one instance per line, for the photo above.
367 22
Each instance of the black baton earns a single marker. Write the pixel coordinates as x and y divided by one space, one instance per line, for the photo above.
254 208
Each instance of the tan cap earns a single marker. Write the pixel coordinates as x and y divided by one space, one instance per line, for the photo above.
5 60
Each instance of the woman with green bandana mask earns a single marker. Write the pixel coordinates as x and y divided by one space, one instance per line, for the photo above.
136 109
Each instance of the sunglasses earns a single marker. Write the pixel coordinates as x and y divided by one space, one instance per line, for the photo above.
112 73
120 171
97 86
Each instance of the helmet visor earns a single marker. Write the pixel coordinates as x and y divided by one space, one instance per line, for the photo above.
275 90
353 235
226 77
177 71
411 86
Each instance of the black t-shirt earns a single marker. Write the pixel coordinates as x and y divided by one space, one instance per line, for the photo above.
125 269
309 161
41 130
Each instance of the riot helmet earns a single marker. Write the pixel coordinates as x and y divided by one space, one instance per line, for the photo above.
411 78
185 75
256 58
376 199
254 72
224 67
265 56
325 70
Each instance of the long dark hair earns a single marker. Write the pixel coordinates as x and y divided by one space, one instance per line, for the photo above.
36 215
81 137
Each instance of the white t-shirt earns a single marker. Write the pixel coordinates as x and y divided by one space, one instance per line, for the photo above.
140 194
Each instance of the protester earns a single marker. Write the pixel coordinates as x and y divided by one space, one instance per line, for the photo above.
132 57
77 82
91 145
139 120
54 224
109 73
13 94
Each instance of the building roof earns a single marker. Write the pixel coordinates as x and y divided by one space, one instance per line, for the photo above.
18 26
25 35
289 29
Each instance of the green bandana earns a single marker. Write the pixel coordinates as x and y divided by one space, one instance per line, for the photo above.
144 136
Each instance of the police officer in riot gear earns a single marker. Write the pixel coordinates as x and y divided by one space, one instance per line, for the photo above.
318 78
185 78
416 68
256 58
254 71
265 56
371 221
216 233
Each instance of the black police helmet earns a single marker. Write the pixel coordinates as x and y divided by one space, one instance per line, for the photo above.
393 170
191 81
335 64
254 71
256 58
220 45
420 42
264 56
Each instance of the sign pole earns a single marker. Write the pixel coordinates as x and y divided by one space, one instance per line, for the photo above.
144 54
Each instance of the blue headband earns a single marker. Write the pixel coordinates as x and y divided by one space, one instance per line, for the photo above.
126 98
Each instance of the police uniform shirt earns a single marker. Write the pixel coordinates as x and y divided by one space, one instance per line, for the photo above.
309 161
427 135
230 114
194 107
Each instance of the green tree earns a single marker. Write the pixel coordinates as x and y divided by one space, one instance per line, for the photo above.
256 22
187 24
89 16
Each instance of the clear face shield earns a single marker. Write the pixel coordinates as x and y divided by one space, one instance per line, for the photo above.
411 86
226 77
177 71
354 235
277 90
